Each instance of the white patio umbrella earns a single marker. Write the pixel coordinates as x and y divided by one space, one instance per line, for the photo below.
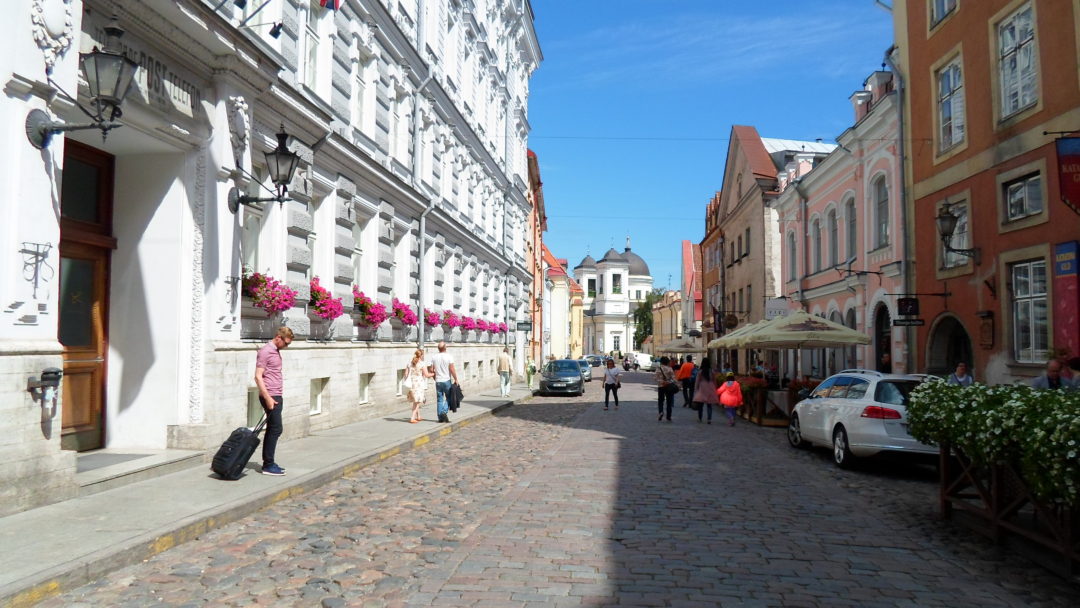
680 345
730 340
801 330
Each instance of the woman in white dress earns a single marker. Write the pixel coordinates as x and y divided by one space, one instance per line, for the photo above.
416 376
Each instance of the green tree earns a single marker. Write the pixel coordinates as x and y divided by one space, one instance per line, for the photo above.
643 316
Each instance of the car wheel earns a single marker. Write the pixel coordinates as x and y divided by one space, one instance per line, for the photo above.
794 433
842 455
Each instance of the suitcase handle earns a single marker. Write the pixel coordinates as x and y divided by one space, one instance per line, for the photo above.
259 427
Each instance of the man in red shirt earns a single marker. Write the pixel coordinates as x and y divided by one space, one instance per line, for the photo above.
685 376
270 382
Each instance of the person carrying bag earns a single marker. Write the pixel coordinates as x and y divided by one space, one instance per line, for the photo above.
705 391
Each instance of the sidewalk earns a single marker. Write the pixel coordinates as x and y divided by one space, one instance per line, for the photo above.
55 548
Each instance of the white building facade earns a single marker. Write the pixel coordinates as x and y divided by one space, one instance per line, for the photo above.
614 287
127 268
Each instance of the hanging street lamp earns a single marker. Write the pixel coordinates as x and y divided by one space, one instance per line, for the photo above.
281 163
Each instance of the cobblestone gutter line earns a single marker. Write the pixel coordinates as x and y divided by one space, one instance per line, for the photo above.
79 572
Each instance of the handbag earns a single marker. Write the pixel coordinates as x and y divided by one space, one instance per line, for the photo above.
696 405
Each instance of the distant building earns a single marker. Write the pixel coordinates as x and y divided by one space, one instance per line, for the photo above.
691 292
613 289
667 318
749 230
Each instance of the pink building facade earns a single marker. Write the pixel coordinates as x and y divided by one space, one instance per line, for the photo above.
842 237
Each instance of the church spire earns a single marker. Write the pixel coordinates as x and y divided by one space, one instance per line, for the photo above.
628 242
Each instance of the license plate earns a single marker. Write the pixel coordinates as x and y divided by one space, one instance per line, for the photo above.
557 384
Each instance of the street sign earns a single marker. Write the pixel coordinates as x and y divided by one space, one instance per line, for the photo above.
908 322
524 326
776 307
907 307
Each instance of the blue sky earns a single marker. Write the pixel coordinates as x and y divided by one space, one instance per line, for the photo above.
633 104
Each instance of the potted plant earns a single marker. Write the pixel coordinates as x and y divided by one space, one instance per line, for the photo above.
267 293
264 299
468 327
368 314
450 320
402 319
323 308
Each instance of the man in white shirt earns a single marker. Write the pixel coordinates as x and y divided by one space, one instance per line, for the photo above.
443 366
504 372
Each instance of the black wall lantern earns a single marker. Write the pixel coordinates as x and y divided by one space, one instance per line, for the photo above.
946 225
109 75
281 163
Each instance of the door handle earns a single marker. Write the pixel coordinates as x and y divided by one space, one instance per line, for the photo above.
94 360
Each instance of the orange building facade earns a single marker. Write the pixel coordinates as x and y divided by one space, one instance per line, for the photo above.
991 85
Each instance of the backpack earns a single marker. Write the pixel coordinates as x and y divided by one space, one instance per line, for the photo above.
693 374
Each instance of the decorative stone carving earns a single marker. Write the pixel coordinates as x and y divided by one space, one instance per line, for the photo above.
239 127
53 29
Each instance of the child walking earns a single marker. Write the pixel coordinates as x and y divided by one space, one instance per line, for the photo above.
730 395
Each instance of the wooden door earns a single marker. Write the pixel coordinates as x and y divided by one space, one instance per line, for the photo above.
86 244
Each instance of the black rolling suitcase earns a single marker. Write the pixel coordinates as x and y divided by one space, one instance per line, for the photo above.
234 454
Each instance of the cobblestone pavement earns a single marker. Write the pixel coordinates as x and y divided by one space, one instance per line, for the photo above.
559 503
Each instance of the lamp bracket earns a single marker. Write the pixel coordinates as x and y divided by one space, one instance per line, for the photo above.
40 128
236 199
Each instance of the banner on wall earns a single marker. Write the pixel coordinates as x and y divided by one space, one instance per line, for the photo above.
1066 279
1068 151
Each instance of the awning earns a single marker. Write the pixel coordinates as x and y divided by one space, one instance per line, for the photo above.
801 330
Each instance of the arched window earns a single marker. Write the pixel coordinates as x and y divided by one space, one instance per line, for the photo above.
852 230
834 239
881 212
815 242
792 256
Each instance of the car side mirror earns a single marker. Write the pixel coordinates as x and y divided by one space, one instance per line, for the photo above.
803 393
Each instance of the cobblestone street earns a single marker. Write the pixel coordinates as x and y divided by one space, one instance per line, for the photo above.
557 502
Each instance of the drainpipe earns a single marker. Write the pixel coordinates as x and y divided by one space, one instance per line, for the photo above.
898 77
804 204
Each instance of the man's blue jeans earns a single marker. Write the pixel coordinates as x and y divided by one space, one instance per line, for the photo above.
442 391
504 383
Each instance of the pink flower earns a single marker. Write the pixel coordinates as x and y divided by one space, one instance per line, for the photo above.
468 323
323 303
268 293
450 319
432 318
404 312
372 314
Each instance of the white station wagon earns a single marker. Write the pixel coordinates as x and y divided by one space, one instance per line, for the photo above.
858 413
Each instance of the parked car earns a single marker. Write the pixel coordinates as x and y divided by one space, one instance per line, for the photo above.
562 376
858 413
586 369
594 360
644 361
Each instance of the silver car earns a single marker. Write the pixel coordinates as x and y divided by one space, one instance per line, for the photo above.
586 369
858 413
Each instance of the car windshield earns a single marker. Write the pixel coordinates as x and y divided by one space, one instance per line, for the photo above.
894 392
564 367
583 363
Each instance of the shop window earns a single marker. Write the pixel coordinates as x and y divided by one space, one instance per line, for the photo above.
950 105
939 9
1029 311
1023 197
881 212
1018 69
961 238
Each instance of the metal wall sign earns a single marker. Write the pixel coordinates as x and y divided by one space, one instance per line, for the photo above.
524 326
907 306
908 322
776 307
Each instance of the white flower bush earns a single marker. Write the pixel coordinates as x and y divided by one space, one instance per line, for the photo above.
1038 431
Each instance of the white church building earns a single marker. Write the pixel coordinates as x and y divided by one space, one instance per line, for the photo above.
614 287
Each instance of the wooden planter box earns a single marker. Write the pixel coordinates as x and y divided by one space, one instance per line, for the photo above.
995 501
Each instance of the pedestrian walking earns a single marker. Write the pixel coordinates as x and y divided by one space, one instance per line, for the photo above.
530 371
666 387
730 396
686 375
269 379
960 377
504 372
442 364
705 390
416 375
611 383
